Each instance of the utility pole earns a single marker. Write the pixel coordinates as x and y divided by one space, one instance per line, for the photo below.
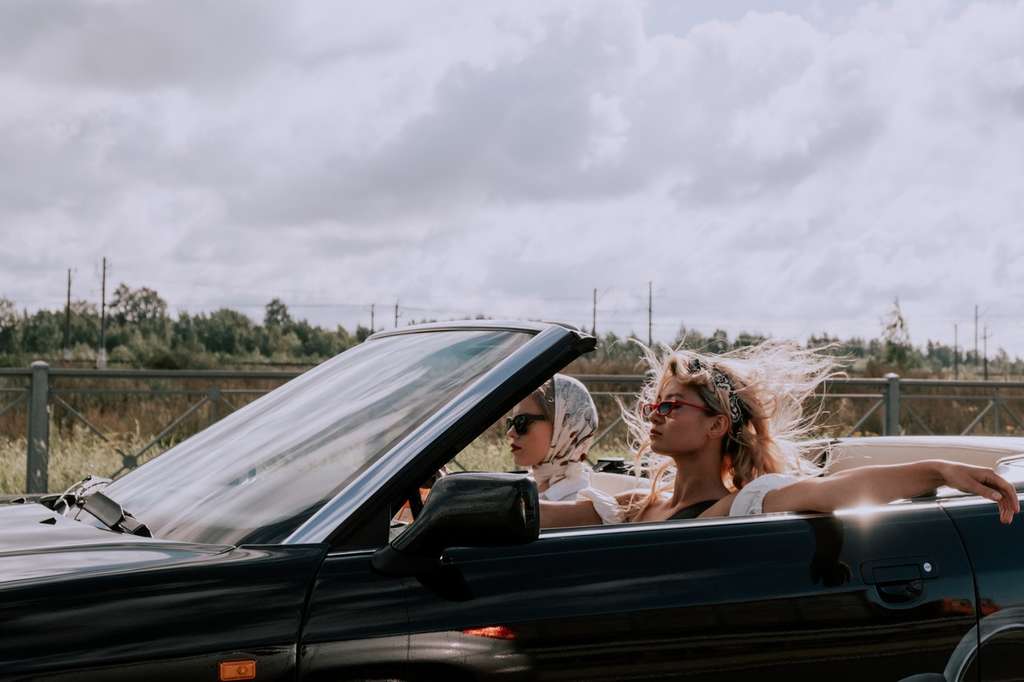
984 337
593 318
650 312
956 352
101 356
67 322
396 313
372 306
975 334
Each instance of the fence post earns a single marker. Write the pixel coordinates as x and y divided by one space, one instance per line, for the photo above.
213 394
38 459
892 405
997 406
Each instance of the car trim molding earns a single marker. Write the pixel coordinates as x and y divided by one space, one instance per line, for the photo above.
474 325
771 517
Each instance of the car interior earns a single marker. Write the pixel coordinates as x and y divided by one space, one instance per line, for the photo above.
611 475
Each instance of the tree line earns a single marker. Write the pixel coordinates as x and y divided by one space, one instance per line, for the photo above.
139 332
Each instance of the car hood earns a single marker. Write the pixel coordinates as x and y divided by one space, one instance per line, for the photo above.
36 543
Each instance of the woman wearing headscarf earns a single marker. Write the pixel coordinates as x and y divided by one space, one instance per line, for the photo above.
550 432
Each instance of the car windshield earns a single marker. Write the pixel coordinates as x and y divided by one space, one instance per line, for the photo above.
256 475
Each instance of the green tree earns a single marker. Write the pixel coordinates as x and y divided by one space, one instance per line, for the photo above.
226 331
9 341
85 324
276 315
137 306
747 339
690 338
719 342
896 336
139 310
42 333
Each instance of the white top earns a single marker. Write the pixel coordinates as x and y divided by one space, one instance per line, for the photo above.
750 500
566 488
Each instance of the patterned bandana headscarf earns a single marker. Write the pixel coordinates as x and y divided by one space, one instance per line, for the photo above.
569 407
721 380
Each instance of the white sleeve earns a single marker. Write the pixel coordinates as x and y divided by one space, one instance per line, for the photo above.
750 500
605 505
567 488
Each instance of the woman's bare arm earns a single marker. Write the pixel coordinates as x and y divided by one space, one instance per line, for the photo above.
578 512
885 483
567 514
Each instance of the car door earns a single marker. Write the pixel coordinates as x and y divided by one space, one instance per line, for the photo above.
357 622
995 649
877 595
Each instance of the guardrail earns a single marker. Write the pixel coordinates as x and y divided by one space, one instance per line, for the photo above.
883 406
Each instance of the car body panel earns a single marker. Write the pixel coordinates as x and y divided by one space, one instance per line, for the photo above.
696 600
997 555
149 609
849 453
37 544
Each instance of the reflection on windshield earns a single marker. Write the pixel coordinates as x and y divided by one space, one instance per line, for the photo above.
259 473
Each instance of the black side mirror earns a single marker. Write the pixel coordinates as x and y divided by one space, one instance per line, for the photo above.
464 510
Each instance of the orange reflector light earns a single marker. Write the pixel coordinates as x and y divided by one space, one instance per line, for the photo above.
237 670
492 631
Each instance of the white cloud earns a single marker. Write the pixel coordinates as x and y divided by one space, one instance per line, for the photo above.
785 172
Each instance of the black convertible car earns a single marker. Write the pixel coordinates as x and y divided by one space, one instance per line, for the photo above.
264 549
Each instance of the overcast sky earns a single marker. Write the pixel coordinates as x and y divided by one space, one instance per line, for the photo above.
782 168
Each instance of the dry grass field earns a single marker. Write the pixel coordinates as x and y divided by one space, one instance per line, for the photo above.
78 453
74 454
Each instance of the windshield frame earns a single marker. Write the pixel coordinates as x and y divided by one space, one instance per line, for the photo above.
257 434
450 428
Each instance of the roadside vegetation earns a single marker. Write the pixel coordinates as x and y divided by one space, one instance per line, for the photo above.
141 334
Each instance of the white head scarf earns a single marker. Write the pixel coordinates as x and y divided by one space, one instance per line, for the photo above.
567 404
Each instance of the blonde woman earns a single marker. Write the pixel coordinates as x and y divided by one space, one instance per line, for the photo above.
721 435
549 434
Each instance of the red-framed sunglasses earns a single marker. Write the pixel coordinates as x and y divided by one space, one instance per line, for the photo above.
665 407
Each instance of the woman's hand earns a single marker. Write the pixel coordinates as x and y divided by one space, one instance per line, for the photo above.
982 481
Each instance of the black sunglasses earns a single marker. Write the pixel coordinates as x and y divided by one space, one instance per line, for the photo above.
521 422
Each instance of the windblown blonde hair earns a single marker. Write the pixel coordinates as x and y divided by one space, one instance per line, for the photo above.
773 380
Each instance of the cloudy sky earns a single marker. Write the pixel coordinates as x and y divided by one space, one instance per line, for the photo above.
777 167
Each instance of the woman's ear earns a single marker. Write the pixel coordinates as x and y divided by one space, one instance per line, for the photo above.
719 426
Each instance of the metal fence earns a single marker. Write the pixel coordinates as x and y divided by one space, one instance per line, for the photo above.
887 406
